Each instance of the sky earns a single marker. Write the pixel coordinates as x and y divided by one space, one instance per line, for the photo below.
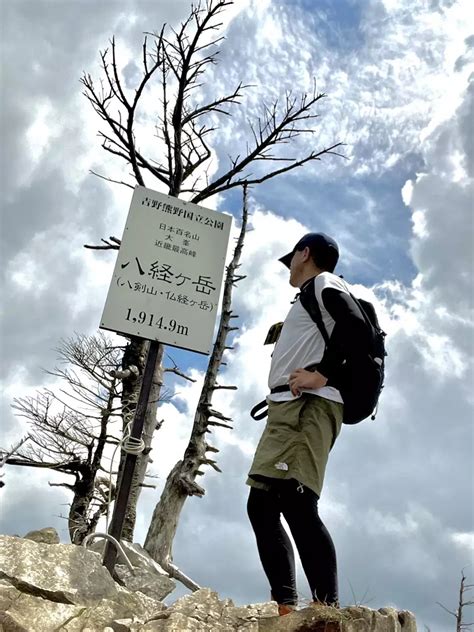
398 496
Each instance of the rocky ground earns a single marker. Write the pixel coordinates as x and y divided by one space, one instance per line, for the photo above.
46 586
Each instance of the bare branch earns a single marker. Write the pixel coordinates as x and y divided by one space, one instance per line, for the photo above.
180 373
107 247
67 467
212 463
215 105
126 184
118 85
462 604
225 182
217 423
444 608
180 576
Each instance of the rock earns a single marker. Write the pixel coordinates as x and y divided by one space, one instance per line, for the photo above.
22 611
122 625
137 555
203 611
202 606
104 614
45 586
149 577
350 619
139 605
46 536
246 618
8 624
403 619
35 614
154 585
61 573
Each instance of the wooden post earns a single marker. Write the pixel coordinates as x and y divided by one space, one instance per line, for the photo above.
121 502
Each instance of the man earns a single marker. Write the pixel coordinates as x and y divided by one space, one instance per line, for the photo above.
305 412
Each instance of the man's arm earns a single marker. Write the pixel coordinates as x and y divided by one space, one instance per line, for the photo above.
350 336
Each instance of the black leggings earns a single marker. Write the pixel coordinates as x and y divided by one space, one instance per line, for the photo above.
299 506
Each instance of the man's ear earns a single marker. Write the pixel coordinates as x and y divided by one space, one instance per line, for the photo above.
306 254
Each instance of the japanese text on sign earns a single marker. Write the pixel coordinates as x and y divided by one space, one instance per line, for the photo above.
169 270
171 209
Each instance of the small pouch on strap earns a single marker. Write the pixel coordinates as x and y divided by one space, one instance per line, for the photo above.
273 334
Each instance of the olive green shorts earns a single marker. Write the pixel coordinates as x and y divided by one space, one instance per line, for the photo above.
296 441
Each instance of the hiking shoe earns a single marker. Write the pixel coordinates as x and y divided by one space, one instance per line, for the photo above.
285 608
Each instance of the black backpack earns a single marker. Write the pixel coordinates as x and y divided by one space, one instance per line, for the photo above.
360 379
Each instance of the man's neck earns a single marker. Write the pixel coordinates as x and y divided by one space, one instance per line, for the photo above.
310 274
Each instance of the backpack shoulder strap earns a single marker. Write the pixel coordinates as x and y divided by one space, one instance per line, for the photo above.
309 301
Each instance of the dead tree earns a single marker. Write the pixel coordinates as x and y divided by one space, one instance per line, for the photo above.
70 427
463 603
174 63
181 482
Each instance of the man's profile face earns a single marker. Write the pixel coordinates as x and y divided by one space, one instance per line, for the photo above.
296 267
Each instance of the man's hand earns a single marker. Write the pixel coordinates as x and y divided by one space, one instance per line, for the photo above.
302 379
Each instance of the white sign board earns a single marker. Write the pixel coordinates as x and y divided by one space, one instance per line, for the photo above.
168 275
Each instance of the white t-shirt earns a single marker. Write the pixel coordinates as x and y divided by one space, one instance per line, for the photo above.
301 343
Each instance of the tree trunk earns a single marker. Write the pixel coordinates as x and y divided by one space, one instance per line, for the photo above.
79 509
181 481
80 523
165 517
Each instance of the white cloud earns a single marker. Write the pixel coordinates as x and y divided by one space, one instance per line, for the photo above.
39 132
464 541
171 440
382 94
378 523
419 224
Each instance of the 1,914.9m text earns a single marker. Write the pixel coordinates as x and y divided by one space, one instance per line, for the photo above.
142 318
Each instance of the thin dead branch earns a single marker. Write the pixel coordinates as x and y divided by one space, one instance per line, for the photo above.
463 602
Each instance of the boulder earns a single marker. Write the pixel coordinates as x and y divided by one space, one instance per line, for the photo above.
46 587
21 611
203 611
316 618
148 576
136 554
61 573
47 535
153 585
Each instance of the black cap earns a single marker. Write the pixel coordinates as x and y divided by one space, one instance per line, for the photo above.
323 248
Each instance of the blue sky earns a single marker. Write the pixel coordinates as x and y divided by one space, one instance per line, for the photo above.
335 22
398 79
